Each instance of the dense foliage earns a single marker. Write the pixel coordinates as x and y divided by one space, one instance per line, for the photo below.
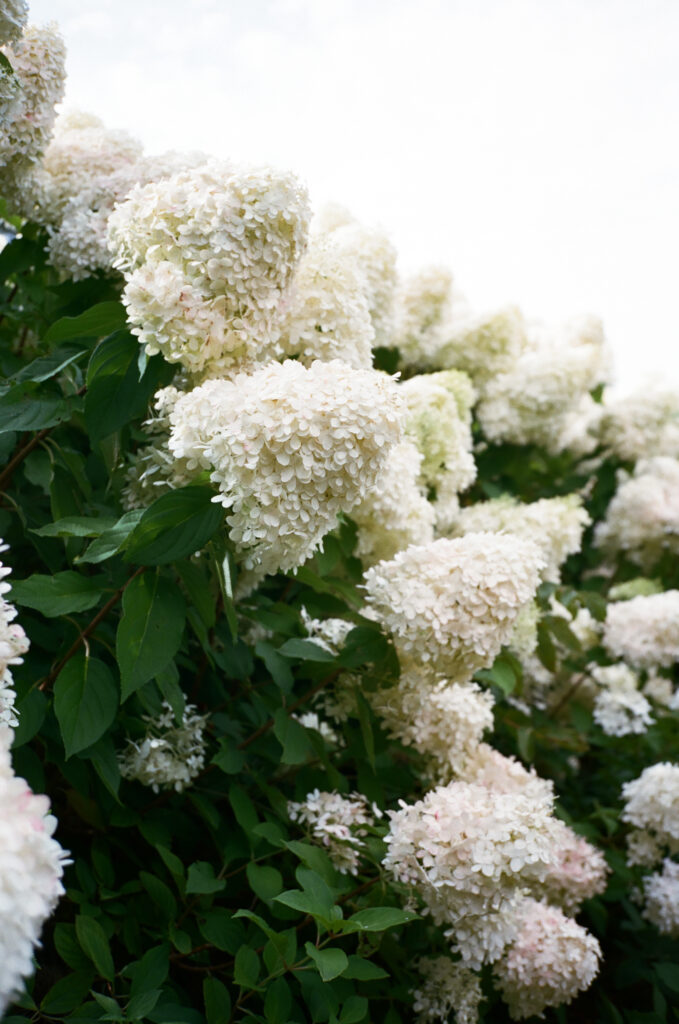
242 679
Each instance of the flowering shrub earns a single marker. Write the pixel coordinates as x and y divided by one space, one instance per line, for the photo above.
338 660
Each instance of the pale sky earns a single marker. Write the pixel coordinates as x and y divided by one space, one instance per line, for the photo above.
529 145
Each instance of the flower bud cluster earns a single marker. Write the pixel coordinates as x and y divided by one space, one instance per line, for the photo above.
446 986
171 755
338 823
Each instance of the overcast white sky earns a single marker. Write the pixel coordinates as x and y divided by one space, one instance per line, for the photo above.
530 145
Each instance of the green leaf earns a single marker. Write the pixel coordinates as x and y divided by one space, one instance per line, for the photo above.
546 648
151 971
330 962
217 1001
85 702
354 1010
45 367
201 879
669 975
24 408
264 881
61 594
246 968
150 631
94 943
104 758
174 526
276 665
305 650
68 993
292 737
219 927
160 893
95 322
562 631
277 1002
140 1005
363 970
228 758
76 526
366 727
501 674
112 539
377 919
115 395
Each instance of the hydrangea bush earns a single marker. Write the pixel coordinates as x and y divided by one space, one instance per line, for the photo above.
338 658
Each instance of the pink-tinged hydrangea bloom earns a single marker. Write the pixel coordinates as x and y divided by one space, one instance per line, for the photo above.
550 962
468 851
31 867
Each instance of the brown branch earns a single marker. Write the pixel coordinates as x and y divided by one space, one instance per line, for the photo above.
6 474
89 629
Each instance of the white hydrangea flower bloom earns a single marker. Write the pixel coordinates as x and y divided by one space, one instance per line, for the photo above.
530 403
467 850
330 634
424 307
375 257
556 525
652 803
12 20
645 421
524 638
439 422
661 899
644 631
338 823
642 519
484 345
453 603
621 713
170 756
13 645
208 254
85 171
643 849
31 867
446 986
619 708
310 720
27 101
394 513
289 448
551 960
443 720
326 314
